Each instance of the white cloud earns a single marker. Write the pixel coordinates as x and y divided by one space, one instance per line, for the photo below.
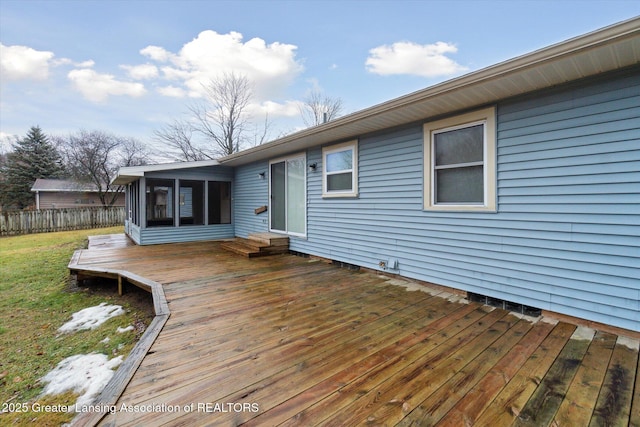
172 91
98 87
141 72
24 63
156 53
428 60
270 66
315 85
86 64
66 61
171 73
275 109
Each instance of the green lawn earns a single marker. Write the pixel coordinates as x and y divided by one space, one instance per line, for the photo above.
35 300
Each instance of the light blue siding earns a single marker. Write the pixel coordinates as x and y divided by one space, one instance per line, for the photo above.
185 233
566 236
132 230
251 192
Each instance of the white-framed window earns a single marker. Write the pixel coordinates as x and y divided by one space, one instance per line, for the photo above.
460 162
340 170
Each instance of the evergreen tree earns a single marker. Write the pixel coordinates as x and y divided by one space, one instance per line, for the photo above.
32 157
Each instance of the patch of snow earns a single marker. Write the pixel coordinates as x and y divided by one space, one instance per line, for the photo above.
412 286
549 320
526 317
106 340
85 374
631 343
91 317
123 330
455 298
583 333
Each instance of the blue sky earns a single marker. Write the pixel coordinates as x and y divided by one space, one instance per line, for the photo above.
129 67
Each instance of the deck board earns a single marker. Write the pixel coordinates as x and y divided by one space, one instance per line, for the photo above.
578 405
615 399
468 408
298 342
439 403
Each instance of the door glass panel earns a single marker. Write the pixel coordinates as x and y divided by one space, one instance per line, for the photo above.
278 196
296 195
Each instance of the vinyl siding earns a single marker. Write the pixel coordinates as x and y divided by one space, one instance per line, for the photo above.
132 230
60 200
185 233
251 192
566 236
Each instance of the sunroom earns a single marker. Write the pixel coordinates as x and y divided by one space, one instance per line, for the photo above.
178 202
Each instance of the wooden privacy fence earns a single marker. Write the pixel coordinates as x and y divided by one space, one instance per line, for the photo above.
47 220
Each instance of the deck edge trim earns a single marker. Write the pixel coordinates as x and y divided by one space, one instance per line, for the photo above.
116 386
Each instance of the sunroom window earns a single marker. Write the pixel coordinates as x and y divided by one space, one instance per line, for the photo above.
159 195
219 202
191 202
460 162
340 170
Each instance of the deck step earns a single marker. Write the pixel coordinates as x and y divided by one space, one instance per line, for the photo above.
242 247
270 239
258 244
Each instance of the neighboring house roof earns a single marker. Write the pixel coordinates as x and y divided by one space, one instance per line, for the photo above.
62 185
610 48
131 173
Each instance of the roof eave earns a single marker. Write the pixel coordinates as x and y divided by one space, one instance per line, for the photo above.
128 174
607 49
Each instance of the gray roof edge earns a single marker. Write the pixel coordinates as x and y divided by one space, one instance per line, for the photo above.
612 34
62 185
127 174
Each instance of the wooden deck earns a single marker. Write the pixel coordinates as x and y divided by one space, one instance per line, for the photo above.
290 341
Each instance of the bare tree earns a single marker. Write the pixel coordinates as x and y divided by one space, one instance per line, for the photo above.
260 137
318 108
219 125
223 118
179 137
94 157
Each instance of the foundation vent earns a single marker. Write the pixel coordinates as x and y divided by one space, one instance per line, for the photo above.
504 304
346 265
